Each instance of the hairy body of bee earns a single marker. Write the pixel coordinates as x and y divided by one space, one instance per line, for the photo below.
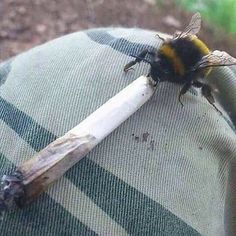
179 56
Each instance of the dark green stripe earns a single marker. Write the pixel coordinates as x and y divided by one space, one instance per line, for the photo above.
134 211
119 44
43 217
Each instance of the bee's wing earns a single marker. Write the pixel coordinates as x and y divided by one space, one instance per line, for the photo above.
192 29
215 58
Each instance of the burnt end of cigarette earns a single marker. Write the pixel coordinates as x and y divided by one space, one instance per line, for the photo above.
12 193
34 176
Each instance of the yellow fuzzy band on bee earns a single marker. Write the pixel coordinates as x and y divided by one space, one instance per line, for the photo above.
168 51
199 44
204 50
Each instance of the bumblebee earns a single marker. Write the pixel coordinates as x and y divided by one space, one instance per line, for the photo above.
184 59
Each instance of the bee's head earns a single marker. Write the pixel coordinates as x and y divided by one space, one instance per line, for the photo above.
161 70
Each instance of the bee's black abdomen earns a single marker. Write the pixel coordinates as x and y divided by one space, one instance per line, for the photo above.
187 51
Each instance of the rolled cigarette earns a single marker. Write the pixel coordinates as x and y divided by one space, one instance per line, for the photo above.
35 175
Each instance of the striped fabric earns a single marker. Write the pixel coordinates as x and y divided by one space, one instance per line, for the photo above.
167 170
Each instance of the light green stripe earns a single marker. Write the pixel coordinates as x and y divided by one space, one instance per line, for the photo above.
58 87
5 69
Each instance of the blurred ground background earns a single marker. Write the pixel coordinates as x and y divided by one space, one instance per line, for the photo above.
27 23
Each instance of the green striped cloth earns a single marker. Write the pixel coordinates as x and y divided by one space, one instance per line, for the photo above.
167 170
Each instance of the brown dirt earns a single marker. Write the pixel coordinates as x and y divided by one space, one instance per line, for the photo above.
26 23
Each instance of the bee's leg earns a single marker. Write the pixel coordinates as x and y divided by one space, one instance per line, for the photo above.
140 57
129 66
162 39
206 92
185 88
